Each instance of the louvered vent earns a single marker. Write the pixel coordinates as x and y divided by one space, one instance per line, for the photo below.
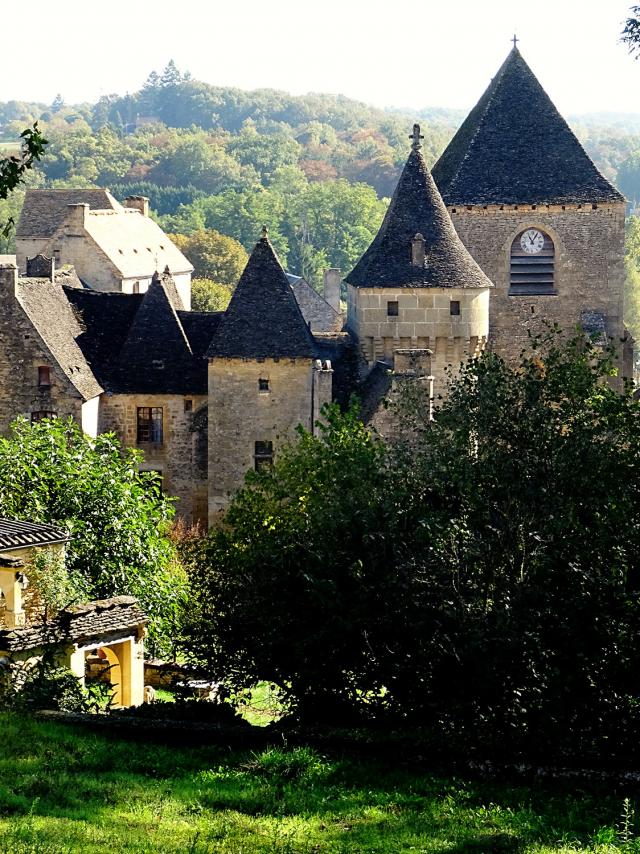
532 264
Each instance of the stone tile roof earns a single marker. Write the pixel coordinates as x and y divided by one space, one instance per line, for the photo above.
417 209
18 535
44 211
102 620
319 315
46 305
139 343
514 147
263 319
135 244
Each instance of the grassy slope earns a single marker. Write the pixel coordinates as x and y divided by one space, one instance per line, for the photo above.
62 790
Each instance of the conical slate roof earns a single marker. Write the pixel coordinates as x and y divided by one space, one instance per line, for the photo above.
263 319
514 147
417 209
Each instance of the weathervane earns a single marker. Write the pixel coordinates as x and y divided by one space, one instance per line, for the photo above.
416 136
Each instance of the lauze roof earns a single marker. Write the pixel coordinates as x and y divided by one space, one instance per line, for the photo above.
514 147
19 535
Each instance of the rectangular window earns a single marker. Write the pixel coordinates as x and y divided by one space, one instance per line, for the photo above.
40 414
263 454
263 384
188 405
454 307
392 308
44 376
150 424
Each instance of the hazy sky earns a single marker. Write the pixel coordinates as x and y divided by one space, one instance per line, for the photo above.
386 52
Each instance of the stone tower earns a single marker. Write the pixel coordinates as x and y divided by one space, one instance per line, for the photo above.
535 213
417 288
264 377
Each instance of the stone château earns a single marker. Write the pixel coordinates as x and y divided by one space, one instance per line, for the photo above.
515 226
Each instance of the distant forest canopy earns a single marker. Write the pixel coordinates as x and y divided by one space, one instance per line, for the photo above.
318 169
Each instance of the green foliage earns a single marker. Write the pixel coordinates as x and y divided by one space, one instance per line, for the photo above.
52 472
478 576
207 295
57 586
14 167
631 33
213 255
632 277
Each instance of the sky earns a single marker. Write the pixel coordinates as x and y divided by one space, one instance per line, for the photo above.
402 53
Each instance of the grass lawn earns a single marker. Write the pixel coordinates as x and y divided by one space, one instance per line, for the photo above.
64 790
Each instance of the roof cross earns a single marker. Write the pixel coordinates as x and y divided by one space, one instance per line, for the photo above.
515 40
416 136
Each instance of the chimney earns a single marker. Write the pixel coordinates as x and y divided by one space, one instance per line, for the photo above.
77 216
418 254
331 287
8 279
41 267
138 203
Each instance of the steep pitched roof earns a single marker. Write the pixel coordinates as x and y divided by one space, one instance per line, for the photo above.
44 211
48 309
263 318
417 209
134 243
514 147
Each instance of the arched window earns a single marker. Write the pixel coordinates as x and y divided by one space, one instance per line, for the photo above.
531 269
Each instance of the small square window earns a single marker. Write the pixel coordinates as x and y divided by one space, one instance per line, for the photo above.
454 307
263 384
44 376
188 405
263 454
392 308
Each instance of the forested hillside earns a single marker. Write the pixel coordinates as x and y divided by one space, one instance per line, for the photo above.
316 168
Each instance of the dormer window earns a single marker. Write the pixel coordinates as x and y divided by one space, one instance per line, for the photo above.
532 263
44 376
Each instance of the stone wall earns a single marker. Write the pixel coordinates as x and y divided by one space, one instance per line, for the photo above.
241 414
589 266
181 458
424 321
22 351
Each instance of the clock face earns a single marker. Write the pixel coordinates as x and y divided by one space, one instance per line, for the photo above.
532 241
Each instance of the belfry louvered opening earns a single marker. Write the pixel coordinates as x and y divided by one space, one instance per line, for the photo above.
532 264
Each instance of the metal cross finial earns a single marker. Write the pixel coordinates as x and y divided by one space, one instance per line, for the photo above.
416 136
515 40
265 232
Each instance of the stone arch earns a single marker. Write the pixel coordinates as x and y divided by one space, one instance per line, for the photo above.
115 675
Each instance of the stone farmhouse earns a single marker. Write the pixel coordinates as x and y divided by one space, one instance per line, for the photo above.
514 226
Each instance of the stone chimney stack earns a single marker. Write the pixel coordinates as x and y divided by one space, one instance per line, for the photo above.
331 287
77 217
138 203
8 279
41 267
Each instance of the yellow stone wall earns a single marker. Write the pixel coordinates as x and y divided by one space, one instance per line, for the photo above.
182 456
240 414
589 266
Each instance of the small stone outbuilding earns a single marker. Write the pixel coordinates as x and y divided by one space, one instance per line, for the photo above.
113 629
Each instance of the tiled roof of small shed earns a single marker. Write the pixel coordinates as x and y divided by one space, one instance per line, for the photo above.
417 209
17 535
92 622
514 147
